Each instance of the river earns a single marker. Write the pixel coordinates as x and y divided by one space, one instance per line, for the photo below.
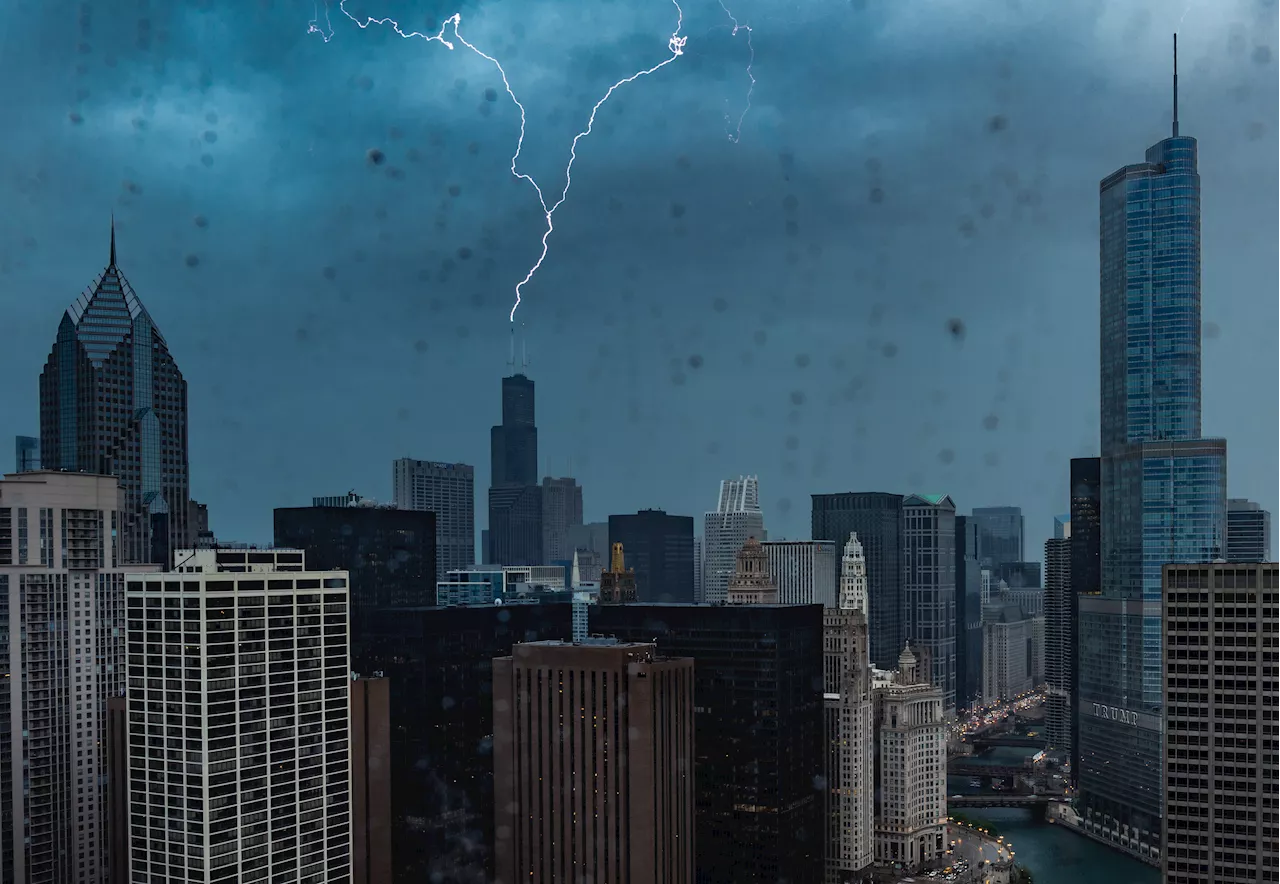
1052 853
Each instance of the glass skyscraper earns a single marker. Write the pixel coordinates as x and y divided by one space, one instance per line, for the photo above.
113 402
1163 488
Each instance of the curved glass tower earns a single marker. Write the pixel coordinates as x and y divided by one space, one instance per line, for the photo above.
113 402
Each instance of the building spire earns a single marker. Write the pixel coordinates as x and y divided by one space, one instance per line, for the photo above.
1175 85
511 359
113 240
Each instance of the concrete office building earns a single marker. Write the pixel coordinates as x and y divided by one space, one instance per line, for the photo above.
736 517
911 766
1059 643
929 586
593 764
449 491
1221 650
1009 647
1248 531
62 615
805 571
561 510
113 402
265 720
752 583
877 520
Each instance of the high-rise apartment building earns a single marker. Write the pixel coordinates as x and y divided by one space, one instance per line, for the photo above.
1163 487
849 719
389 553
1248 531
449 491
758 731
911 766
515 497
561 510
26 454
1221 656
660 548
62 587
1059 643
253 781
1001 535
737 516
113 402
929 585
877 520
593 763
968 614
805 571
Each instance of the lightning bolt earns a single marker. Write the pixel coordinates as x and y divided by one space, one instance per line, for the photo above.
736 135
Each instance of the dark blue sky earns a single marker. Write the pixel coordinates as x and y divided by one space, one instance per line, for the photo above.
782 305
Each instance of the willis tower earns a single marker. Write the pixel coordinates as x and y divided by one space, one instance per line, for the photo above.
515 497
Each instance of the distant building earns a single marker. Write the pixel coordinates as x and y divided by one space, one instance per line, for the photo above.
1001 531
1062 526
929 585
804 571
561 510
389 553
62 619
371 780
282 808
113 402
911 767
736 517
515 497
752 584
699 563
348 499
759 815
877 519
449 491
591 541
1059 643
660 548
1086 569
618 584
853 577
969 603
620 806
1248 531
1009 639
1219 667
26 454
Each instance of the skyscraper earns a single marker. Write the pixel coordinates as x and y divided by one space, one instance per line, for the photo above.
619 804
1059 641
62 658
853 577
929 586
26 454
751 583
515 497
877 520
660 548
737 516
266 674
1001 531
449 491
1086 571
1163 489
805 571
113 402
561 510
1220 771
968 613
1248 531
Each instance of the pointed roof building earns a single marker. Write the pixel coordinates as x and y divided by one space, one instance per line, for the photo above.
752 583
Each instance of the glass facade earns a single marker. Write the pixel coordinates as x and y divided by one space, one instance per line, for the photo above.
1162 488
113 402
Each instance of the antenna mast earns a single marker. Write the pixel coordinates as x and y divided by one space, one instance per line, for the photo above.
511 360
1175 85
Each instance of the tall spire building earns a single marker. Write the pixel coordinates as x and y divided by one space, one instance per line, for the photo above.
113 402
1163 487
515 497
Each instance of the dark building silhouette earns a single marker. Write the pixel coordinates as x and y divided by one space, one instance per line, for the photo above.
758 731
118 795
1019 575
1001 532
1086 570
370 780
389 553
593 764
113 402
659 548
26 454
515 496
439 662
1059 644
968 613
877 518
